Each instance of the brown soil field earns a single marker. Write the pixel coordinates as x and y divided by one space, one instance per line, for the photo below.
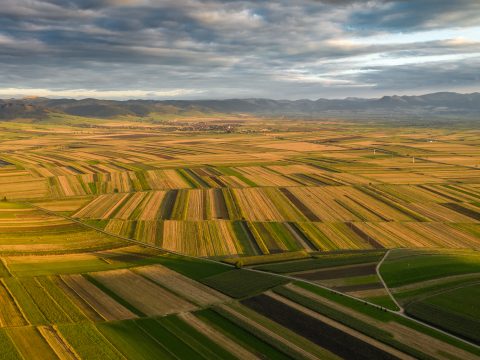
360 287
186 287
389 350
154 300
103 304
345 344
78 300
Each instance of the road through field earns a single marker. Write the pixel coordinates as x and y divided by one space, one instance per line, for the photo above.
377 269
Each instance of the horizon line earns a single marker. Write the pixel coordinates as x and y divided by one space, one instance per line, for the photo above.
33 97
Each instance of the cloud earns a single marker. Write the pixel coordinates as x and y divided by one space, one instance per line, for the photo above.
98 94
451 75
410 15
212 48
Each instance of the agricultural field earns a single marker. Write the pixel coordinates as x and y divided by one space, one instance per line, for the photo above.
439 287
353 273
278 240
25 229
140 303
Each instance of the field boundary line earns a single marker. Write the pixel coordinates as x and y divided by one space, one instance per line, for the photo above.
472 277
17 304
377 270
443 291
82 299
156 340
47 293
5 266
262 272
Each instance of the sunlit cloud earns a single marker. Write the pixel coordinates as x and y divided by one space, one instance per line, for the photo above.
471 34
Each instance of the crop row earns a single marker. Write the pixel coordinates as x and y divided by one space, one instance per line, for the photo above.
222 237
25 230
317 204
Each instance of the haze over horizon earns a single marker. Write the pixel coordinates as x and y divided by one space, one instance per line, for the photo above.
167 99
193 49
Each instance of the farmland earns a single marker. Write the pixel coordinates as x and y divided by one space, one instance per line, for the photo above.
439 287
255 193
352 273
153 240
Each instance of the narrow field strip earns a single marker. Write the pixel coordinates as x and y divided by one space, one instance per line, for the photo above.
218 337
154 301
30 343
194 291
62 349
103 304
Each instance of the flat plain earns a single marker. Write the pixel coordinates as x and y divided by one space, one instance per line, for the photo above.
278 239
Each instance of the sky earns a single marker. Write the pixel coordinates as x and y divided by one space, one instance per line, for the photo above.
211 49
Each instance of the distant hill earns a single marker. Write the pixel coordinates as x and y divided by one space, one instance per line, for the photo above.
12 109
441 103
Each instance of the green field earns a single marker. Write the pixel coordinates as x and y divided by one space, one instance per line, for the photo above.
242 283
454 310
405 267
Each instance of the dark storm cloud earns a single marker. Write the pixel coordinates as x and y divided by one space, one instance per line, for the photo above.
209 48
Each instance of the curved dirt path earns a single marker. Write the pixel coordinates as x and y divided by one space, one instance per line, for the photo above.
377 269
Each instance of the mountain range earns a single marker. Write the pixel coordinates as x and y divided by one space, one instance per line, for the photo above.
434 104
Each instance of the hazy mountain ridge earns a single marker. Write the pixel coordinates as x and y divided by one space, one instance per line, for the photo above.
428 104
